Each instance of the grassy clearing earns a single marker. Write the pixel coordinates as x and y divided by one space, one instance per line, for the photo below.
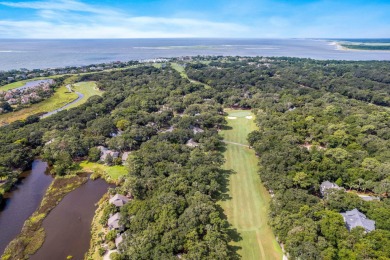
183 74
109 173
88 89
247 206
60 98
32 236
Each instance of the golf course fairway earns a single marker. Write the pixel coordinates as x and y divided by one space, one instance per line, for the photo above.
248 201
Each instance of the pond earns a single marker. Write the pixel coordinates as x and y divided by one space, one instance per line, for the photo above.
35 83
68 226
22 201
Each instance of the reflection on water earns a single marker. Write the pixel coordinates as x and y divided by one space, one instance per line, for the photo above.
68 226
22 201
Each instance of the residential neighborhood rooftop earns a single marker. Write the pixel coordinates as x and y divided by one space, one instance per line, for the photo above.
326 185
119 200
354 218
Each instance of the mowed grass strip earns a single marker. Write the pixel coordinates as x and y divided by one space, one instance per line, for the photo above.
88 89
183 74
247 208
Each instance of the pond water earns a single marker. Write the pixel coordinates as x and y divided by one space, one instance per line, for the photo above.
22 201
35 83
68 226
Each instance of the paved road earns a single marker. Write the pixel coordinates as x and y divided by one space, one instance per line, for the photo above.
64 107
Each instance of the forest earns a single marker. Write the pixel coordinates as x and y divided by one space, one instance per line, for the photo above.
318 120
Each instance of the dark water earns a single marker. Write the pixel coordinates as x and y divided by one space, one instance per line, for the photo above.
68 225
15 54
22 201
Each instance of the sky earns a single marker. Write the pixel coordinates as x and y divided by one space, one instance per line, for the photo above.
200 18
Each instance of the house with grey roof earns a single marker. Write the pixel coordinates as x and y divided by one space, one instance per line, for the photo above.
326 186
197 130
118 240
354 218
104 152
191 143
119 200
113 222
125 155
368 198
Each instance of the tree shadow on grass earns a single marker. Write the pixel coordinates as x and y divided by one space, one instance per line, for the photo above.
226 127
233 235
224 182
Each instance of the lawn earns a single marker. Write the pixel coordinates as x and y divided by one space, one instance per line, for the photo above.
60 98
183 74
113 172
88 89
248 203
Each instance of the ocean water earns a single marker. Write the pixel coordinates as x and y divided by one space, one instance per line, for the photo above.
30 54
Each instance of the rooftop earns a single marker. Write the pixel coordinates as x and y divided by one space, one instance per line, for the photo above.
354 218
119 200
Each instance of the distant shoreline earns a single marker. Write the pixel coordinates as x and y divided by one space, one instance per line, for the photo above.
341 47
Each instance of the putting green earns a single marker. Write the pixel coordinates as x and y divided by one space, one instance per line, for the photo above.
247 206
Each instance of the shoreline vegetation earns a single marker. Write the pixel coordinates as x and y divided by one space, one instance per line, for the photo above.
357 46
32 236
96 230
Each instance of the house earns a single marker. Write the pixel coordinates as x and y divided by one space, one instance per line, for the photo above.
104 152
192 143
25 100
326 186
354 218
119 200
197 130
12 101
118 240
169 130
368 198
125 155
113 222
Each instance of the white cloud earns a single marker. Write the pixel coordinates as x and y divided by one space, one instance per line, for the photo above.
73 19
62 5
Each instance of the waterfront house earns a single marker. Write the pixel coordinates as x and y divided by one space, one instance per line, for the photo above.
354 218
104 152
119 200
113 222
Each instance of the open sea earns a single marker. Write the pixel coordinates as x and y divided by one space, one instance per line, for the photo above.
30 54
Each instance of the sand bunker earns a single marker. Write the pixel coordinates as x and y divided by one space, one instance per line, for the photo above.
249 117
232 117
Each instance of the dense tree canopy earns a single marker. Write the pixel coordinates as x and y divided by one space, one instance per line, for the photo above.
318 120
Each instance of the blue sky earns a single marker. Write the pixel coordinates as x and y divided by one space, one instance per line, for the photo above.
200 18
